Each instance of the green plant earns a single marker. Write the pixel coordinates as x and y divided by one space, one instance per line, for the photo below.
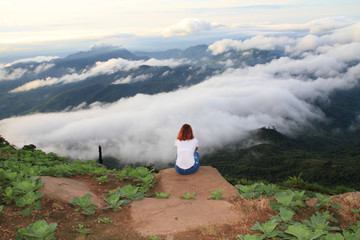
249 237
1 209
325 202
162 195
187 196
352 232
333 236
130 192
302 232
257 189
85 204
28 199
216 195
103 178
82 230
268 229
284 218
115 202
154 237
39 230
104 220
288 199
318 221
295 182
8 195
355 210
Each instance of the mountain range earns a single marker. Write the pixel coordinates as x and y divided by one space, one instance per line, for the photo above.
327 152
109 85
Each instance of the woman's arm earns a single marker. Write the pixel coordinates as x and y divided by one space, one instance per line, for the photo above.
196 149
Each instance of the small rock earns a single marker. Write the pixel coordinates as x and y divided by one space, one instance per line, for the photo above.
81 237
57 206
311 202
46 214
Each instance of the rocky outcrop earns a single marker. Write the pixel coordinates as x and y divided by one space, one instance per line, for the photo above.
165 216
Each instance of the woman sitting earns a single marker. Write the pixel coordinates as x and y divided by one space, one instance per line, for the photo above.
187 159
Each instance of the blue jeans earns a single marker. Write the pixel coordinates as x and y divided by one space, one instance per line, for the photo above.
191 170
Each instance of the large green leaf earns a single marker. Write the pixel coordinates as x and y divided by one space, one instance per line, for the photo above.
39 230
284 198
286 214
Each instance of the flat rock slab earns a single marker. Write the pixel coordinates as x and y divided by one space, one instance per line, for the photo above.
165 216
65 189
204 180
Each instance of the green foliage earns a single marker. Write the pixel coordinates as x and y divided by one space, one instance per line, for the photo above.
26 212
318 221
115 202
324 202
189 196
130 192
1 209
85 204
103 178
81 229
334 236
288 199
355 210
257 189
104 220
154 237
217 195
39 230
268 229
162 195
302 232
324 162
352 232
295 182
249 237
284 218
28 199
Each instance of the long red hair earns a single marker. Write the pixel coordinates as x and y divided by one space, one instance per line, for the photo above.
185 133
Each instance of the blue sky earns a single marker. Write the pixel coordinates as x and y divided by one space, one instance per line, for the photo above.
47 27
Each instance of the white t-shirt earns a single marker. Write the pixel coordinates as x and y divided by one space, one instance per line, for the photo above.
185 152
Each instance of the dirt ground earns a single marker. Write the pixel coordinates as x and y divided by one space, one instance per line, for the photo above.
122 227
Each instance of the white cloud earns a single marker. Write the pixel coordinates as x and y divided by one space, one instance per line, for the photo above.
316 26
188 26
259 42
10 72
132 79
107 67
292 45
221 110
35 59
6 74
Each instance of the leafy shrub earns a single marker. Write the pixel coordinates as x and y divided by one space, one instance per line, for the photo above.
162 195
217 195
187 196
268 229
257 189
81 229
85 204
1 209
115 202
39 230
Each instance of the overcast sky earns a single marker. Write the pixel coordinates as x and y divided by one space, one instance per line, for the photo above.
47 27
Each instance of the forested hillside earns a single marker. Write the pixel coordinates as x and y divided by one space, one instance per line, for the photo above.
330 161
